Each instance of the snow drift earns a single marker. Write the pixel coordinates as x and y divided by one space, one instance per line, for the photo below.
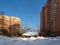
30 41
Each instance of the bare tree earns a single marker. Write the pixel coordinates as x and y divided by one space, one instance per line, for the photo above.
24 28
38 28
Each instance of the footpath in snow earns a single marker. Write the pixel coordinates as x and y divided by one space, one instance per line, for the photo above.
30 41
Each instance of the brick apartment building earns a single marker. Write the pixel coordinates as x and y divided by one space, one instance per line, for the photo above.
50 18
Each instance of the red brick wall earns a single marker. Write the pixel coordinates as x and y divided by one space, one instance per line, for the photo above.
47 18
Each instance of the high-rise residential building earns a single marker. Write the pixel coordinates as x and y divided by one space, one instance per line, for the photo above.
10 24
50 18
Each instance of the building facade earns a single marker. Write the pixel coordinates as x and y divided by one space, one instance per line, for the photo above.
50 18
9 24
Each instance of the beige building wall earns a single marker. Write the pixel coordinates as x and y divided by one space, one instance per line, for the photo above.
12 24
14 20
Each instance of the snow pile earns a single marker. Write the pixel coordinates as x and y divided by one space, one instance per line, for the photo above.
30 33
30 41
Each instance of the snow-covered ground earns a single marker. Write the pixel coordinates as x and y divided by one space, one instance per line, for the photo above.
30 41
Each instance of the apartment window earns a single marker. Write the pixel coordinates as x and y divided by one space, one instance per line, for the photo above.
55 5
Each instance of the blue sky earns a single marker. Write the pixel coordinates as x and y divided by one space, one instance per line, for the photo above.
27 10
